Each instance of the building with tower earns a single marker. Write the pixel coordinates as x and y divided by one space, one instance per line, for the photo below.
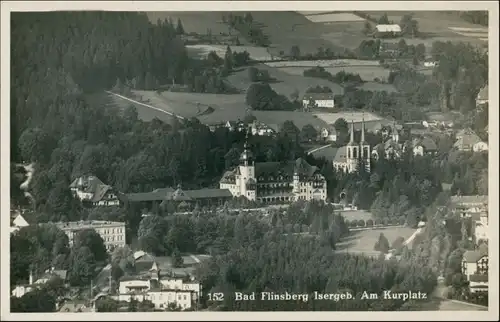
351 155
163 290
271 182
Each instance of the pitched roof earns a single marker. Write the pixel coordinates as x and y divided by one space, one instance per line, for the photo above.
100 192
318 96
341 155
483 93
86 183
426 142
471 200
178 194
271 169
467 140
388 28
472 256
157 194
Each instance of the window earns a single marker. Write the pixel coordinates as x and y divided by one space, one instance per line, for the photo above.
482 266
185 297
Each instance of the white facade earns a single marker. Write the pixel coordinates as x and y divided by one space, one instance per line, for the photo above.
324 103
480 146
92 190
418 150
281 182
430 64
329 135
388 28
348 157
113 233
161 298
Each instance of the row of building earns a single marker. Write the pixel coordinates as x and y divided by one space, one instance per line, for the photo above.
162 289
474 210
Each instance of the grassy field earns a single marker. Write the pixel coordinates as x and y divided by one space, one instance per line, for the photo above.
146 114
208 108
333 17
326 63
287 28
356 215
440 25
367 73
285 83
363 241
256 53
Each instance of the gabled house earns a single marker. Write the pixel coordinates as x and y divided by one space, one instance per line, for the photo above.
475 268
329 134
387 31
424 146
91 190
259 128
467 140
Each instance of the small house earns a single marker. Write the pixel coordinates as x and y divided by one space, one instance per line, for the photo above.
322 100
387 31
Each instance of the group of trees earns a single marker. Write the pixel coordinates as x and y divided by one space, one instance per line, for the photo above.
38 248
475 17
342 77
461 72
247 27
274 262
258 75
260 96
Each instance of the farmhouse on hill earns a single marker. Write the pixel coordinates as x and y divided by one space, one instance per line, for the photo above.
312 100
385 31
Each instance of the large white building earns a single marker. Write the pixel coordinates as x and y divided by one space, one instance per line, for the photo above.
348 157
322 100
162 292
112 232
272 182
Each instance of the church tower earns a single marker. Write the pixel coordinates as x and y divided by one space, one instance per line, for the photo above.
352 152
247 173
364 147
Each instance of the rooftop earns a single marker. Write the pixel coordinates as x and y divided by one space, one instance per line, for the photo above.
472 256
88 224
483 93
179 194
469 200
388 28
318 96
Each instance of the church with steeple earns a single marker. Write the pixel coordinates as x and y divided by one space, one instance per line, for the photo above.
354 153
272 182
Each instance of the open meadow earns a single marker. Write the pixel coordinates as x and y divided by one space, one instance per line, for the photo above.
144 113
256 53
368 70
363 241
285 83
440 25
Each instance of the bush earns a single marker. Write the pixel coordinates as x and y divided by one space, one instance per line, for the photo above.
394 221
369 223
354 223
385 221
361 223
402 220
377 222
